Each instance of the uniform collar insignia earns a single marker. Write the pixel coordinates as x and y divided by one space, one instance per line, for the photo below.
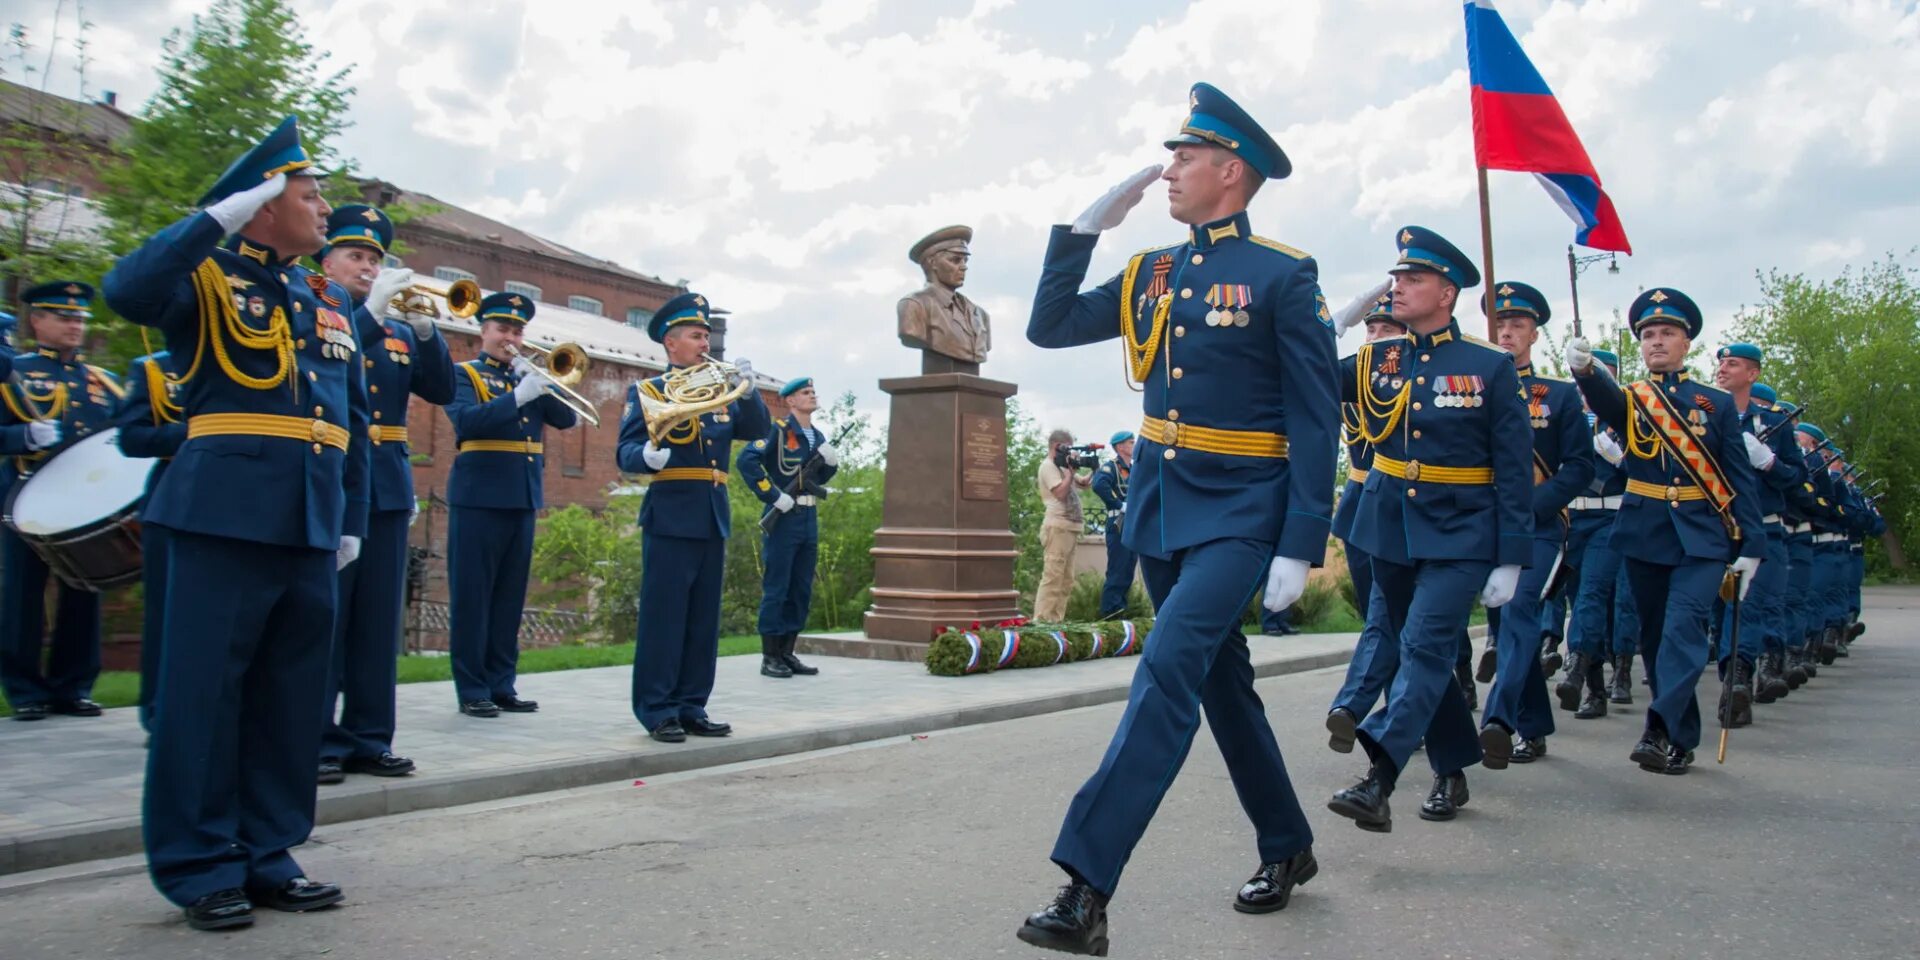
1208 235
1449 332
1524 371
259 255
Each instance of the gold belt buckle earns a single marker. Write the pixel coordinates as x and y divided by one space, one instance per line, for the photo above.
1673 493
1171 433
319 430
1413 470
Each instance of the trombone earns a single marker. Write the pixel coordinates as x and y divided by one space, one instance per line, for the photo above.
565 365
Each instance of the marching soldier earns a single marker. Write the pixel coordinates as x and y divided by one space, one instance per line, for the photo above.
56 396
1110 485
1230 339
1829 526
502 406
1446 513
7 324
782 471
1690 508
1797 516
1562 452
684 525
263 503
152 425
399 360
1595 631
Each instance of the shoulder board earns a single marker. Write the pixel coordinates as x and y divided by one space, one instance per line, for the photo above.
1163 248
1559 380
1294 252
107 380
1714 393
1466 337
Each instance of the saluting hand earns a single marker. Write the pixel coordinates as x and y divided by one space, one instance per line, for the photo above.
1356 310
234 212
1107 212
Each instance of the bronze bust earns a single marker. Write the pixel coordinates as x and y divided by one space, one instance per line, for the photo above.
951 331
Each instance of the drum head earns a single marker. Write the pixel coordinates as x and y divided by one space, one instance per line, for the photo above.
84 483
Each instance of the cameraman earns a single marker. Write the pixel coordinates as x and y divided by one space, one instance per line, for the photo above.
1060 484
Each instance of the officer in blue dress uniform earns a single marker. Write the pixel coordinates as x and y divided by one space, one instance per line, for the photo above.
773 467
1690 508
1377 653
1229 337
7 324
263 503
1797 517
57 397
1110 481
1447 515
1828 517
153 426
1594 630
684 525
1562 452
401 359
502 406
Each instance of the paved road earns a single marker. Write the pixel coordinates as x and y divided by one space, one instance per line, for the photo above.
1804 844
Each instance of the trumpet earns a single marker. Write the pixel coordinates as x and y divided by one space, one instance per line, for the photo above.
564 365
463 300
689 392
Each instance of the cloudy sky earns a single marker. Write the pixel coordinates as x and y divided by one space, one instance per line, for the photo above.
782 156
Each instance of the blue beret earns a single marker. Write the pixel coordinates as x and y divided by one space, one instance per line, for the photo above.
280 152
67 296
796 385
1609 358
1813 431
1745 351
1422 249
8 321
1765 394
357 224
686 308
1665 305
1119 438
507 308
1521 298
1213 117
1382 312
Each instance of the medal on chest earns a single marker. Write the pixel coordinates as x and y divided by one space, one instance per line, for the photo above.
336 335
1229 302
1537 408
1459 392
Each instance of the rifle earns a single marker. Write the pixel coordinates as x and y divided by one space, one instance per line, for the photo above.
1791 417
1733 647
800 484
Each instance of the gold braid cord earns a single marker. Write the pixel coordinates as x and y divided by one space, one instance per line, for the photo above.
1643 446
1139 354
50 406
220 322
1372 407
159 397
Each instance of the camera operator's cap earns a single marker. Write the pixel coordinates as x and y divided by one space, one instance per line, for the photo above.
945 238
280 152
687 308
1743 351
1819 435
1119 438
1664 305
357 224
1213 117
1512 298
1423 250
1765 394
795 385
1608 357
60 296
513 308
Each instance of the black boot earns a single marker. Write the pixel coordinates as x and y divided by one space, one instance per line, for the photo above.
1464 675
1272 887
1448 795
1549 654
1651 752
1592 706
771 663
1621 690
1771 684
793 663
1365 803
1489 663
1075 922
1810 656
1829 645
1854 630
1796 672
1568 689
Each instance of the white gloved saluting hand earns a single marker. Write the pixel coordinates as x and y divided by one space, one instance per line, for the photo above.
1107 212
235 211
1356 310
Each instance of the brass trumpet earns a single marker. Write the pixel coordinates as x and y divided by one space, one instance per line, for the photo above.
689 392
463 300
565 365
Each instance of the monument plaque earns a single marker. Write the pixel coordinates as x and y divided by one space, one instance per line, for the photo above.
983 449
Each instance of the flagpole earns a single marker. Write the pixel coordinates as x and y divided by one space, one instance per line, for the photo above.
1486 252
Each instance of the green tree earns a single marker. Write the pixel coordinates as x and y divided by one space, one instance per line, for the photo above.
1025 447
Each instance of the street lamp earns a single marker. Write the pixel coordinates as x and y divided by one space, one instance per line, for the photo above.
1577 264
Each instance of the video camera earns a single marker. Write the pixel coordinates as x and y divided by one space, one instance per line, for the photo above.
1085 456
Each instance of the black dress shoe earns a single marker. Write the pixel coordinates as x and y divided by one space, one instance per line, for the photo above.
1444 801
1272 887
480 708
1527 751
775 667
81 707
703 727
1677 762
1651 752
1365 803
1593 707
669 731
298 895
331 772
384 765
1496 746
221 910
512 704
1342 730
793 663
1568 689
1489 663
30 711
1075 922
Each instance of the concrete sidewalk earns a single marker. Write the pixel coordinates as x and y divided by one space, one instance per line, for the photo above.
70 788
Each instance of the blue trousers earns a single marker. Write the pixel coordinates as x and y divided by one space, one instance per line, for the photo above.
1428 604
1674 603
678 641
1553 610
73 660
366 643
1195 657
1796 614
1763 609
1829 585
1377 653
788 556
236 720
1856 577
488 556
154 541
1120 564
1604 624
1518 699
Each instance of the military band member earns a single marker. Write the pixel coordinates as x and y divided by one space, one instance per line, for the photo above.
684 525
263 503
1110 481
1447 515
1690 509
55 397
1562 453
400 359
787 471
502 406
1230 339
152 425
1598 628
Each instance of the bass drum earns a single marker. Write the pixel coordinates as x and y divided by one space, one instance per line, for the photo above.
80 511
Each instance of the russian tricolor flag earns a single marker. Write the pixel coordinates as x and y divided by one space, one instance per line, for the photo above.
1518 125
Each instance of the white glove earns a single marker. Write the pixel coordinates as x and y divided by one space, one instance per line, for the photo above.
1757 452
1579 355
1604 445
743 370
1356 310
413 513
654 456
829 456
349 552
1501 584
783 504
530 388
522 367
42 434
387 284
234 212
1286 581
1107 212
1745 566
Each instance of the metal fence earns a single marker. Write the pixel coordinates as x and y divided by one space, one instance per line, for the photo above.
539 627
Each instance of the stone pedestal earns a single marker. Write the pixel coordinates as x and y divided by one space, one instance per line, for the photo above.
944 554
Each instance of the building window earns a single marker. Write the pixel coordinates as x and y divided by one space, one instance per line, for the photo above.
451 274
527 290
585 305
639 317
